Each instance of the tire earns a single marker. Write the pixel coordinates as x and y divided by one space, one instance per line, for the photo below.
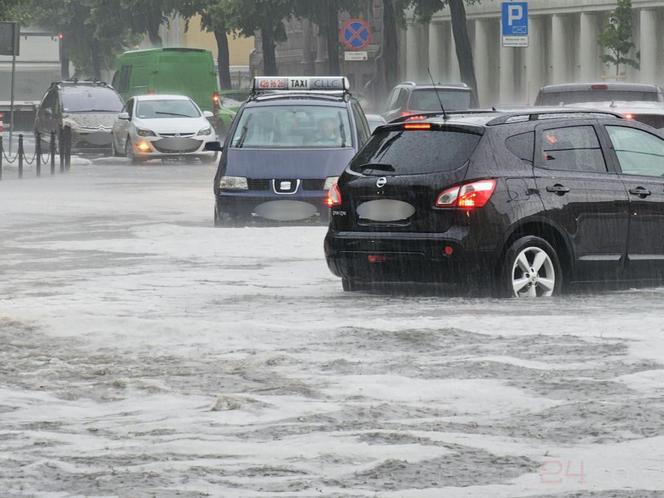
349 285
530 268
223 219
129 152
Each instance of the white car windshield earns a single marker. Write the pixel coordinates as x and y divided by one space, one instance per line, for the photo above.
167 108
293 127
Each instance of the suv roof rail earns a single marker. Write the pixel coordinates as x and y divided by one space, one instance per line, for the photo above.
433 114
515 117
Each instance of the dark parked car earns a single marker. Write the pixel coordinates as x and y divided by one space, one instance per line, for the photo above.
287 145
520 203
409 98
88 108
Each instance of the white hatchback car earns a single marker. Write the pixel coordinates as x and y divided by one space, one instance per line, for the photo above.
160 127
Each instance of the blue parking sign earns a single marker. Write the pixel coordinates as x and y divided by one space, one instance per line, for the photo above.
515 24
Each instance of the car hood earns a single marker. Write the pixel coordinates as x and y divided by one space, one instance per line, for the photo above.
91 119
287 163
172 125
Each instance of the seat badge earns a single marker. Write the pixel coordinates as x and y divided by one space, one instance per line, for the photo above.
381 182
285 186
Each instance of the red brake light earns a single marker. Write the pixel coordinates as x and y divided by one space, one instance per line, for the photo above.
600 87
405 113
216 99
469 196
417 126
333 196
629 116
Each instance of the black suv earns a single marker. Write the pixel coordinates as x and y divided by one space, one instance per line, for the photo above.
519 203
88 108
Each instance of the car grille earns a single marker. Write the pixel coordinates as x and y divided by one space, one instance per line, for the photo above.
177 145
307 184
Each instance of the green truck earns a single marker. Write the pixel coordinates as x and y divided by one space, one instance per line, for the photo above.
178 71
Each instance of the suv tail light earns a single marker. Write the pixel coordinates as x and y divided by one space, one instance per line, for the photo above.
216 101
333 196
468 196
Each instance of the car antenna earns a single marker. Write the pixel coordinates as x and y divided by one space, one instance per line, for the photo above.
435 88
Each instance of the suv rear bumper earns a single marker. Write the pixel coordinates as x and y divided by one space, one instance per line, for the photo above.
409 257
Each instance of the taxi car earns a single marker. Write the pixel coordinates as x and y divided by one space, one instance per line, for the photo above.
287 146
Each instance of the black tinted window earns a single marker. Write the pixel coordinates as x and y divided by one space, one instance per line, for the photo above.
522 146
427 100
415 152
575 148
580 96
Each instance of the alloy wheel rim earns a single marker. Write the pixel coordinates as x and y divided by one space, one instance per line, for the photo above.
533 274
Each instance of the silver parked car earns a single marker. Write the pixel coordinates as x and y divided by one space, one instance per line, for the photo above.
160 127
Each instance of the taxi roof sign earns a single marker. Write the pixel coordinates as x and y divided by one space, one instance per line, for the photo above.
301 84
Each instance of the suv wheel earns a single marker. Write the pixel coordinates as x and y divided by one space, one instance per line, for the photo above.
531 268
349 285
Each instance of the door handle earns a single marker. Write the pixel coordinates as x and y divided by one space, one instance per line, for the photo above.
640 191
557 189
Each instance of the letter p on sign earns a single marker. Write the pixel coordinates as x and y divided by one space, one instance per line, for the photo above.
514 13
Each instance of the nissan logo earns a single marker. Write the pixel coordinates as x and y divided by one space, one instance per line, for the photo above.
381 182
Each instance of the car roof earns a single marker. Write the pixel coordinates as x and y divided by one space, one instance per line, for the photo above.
161 97
610 85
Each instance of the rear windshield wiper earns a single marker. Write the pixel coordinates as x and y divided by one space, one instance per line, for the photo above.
374 166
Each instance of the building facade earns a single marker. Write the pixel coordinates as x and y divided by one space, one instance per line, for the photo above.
563 47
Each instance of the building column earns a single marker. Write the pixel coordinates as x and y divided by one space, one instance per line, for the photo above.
558 55
535 58
437 47
588 46
412 49
648 44
481 57
507 83
453 71
423 52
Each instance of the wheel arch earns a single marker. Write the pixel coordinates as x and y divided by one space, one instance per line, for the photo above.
546 230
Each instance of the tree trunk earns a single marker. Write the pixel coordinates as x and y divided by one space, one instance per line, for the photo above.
332 36
390 55
223 59
96 63
269 55
464 50
153 35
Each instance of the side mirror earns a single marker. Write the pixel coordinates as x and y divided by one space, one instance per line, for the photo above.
48 112
124 116
208 114
213 147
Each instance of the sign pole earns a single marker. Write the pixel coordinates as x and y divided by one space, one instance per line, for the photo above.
11 104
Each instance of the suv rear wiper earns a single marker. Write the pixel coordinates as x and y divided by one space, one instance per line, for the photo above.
376 166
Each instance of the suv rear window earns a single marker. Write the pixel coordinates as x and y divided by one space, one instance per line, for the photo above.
427 100
418 152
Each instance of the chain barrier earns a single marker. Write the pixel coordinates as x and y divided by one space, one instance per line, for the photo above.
61 148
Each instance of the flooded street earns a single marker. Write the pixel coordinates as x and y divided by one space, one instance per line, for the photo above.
146 353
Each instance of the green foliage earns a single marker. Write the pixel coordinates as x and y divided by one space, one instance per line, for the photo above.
12 10
617 37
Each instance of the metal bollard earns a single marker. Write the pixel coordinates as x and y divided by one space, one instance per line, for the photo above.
61 149
52 153
68 147
38 153
19 153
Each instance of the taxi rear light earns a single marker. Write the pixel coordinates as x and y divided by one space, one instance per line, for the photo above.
417 126
333 196
629 116
469 196
600 86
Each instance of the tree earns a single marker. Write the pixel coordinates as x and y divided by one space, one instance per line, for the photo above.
216 17
617 37
147 16
12 10
266 16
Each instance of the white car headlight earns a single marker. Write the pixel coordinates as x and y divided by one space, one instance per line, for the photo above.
206 131
329 181
145 133
233 183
